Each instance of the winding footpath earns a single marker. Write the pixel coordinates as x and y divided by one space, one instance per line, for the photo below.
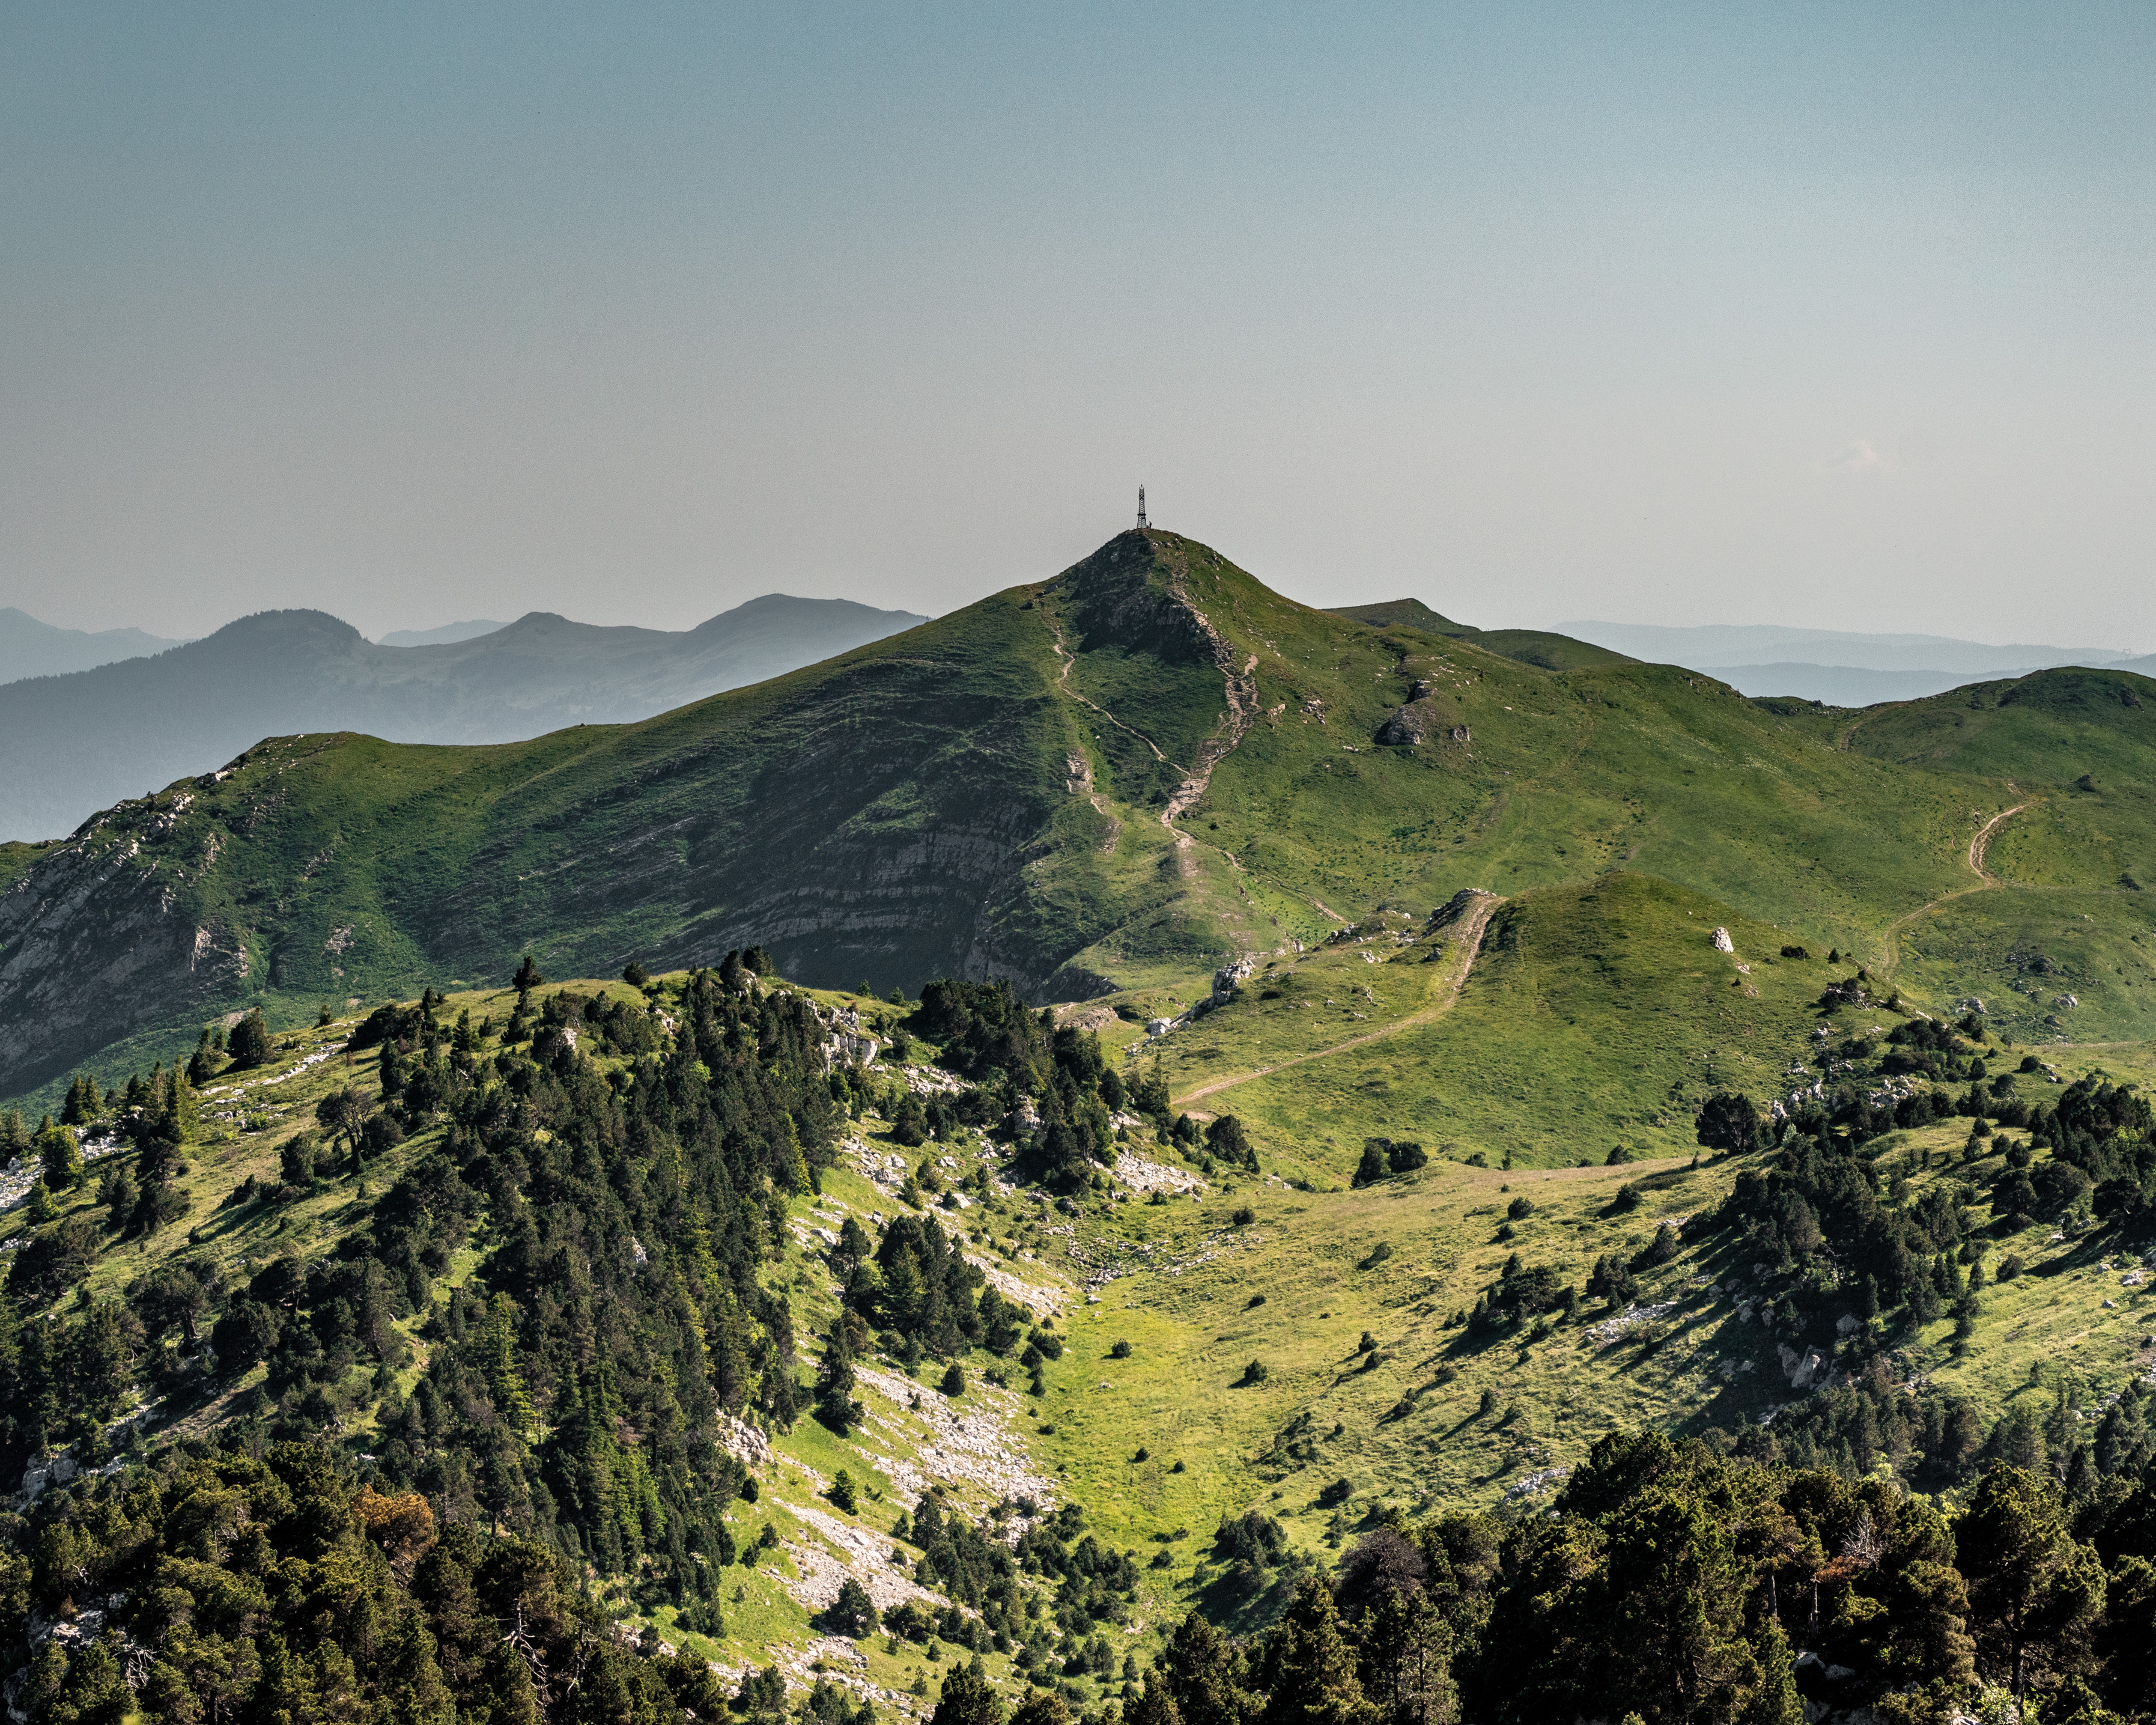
1466 942
1979 845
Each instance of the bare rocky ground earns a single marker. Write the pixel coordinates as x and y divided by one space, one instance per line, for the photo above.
918 1439
933 1442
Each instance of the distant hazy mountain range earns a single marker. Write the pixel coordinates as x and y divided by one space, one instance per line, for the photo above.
1841 667
71 745
32 649
447 635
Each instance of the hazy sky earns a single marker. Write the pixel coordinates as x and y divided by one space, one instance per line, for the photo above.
1836 314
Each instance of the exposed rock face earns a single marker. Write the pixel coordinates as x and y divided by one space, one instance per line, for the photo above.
1424 717
1228 979
1805 1368
1408 726
97 938
848 1044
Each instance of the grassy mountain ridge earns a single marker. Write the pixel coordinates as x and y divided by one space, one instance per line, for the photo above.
1118 777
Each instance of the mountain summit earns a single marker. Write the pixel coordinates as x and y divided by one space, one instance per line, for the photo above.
1122 776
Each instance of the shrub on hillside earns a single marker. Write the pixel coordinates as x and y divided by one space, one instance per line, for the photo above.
1385 1156
1226 1139
248 1045
1729 1121
1666 1244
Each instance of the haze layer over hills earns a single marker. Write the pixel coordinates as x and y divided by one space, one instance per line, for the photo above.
1838 667
446 635
32 649
69 745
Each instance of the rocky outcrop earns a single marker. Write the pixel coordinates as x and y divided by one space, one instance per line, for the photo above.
848 1045
1422 719
99 939
1458 905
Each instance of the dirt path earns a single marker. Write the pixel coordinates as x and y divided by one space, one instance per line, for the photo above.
1082 769
1466 942
1241 714
1063 683
1979 845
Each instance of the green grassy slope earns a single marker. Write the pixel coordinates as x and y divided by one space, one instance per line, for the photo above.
1595 1014
1374 1392
1117 779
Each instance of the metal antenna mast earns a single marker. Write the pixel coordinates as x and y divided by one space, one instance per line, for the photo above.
1142 514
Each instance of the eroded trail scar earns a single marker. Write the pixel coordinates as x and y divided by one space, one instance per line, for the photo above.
1982 842
1234 724
1467 943
1979 845
1079 768
1063 683
1243 711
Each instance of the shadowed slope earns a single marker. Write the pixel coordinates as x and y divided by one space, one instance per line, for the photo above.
1120 776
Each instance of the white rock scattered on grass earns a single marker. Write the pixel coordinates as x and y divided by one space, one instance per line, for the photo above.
1610 1328
1722 943
846 1550
1143 1174
977 1447
743 1441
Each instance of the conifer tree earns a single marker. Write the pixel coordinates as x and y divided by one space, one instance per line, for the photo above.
835 1405
511 1400
853 1613
1227 1140
60 1156
910 1126
1314 1678
968 1699
84 1104
119 1194
249 1042
1044 1706
1153 1704
2036 1593
1775 1701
